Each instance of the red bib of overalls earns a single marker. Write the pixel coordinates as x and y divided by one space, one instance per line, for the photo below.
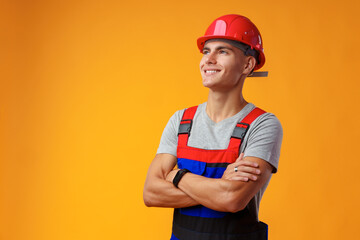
202 223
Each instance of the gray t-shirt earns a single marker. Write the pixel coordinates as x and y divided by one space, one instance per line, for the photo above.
262 140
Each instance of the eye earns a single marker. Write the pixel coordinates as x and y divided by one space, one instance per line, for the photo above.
205 51
223 52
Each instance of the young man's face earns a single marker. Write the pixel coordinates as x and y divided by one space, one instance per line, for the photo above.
222 65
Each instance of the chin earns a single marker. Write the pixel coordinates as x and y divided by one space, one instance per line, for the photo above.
207 84
208 81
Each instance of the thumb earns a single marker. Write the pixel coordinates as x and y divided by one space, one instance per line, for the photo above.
240 157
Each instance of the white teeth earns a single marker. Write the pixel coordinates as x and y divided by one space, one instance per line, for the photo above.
210 71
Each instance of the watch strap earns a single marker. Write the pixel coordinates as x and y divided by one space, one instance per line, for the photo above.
178 176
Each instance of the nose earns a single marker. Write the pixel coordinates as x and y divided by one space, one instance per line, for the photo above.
210 58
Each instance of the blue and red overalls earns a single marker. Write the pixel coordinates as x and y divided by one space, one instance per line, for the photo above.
202 223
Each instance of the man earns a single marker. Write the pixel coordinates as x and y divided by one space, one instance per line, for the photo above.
215 190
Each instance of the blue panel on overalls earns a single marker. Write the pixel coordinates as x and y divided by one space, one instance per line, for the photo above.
173 237
199 168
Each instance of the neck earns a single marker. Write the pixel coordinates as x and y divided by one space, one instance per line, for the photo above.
222 105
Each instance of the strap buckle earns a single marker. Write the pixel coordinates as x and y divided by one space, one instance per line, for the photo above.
240 130
185 126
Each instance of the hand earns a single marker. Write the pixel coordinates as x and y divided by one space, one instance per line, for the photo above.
246 170
171 175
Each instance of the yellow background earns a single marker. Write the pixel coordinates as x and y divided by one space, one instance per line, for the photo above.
87 87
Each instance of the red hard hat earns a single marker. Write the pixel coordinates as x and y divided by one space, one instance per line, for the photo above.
238 28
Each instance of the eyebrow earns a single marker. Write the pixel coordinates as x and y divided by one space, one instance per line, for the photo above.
219 48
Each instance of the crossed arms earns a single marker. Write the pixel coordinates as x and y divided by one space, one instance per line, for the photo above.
231 193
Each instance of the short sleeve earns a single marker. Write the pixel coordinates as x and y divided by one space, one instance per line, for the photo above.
264 140
169 138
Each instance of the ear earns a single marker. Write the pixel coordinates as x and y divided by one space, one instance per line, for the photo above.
250 65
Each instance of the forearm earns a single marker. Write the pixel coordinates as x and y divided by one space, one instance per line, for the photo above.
217 194
161 193
223 194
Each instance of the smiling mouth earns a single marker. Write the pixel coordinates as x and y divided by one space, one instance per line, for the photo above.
210 72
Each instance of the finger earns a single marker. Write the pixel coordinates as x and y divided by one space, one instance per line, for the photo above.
247 169
245 175
247 163
240 158
229 175
237 178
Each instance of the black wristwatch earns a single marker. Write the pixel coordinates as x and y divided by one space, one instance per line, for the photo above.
178 176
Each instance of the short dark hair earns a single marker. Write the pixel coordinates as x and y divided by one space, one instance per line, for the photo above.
242 46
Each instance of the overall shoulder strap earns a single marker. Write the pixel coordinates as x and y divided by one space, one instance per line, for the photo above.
242 127
185 125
